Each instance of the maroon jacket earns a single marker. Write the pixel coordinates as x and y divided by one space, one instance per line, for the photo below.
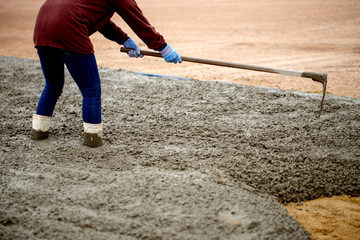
67 24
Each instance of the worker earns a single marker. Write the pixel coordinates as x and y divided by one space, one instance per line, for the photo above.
61 37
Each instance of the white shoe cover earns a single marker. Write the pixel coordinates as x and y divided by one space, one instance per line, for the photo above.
41 123
93 128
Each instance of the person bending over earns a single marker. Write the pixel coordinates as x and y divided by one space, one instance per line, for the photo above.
61 37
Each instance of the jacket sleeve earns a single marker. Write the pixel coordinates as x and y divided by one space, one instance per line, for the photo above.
113 32
133 16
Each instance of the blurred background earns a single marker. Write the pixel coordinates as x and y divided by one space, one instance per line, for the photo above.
309 35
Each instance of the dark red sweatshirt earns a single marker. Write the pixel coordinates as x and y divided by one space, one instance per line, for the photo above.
67 24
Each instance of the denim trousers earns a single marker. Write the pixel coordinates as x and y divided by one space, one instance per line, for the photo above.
82 68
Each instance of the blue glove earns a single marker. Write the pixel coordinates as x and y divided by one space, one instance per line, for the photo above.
136 49
170 55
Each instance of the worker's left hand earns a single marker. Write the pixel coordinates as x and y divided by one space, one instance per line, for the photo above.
136 49
170 55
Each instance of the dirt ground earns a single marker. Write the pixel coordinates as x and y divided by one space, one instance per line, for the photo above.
319 36
309 35
318 217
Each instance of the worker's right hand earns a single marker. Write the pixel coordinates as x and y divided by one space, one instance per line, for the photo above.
132 45
170 55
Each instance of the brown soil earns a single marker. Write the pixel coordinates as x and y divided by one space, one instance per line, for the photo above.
329 218
318 36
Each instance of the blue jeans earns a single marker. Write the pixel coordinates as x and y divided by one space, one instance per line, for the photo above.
83 69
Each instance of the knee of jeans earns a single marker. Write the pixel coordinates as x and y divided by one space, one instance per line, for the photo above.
94 92
52 90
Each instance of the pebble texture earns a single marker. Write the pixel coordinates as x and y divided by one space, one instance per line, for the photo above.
182 159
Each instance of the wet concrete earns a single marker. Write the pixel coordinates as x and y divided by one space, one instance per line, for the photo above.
182 159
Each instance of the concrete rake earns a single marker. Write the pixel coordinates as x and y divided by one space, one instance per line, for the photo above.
317 77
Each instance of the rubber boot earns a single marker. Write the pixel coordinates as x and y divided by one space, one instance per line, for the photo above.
40 127
93 134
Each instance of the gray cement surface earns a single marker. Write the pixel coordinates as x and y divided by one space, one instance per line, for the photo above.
182 159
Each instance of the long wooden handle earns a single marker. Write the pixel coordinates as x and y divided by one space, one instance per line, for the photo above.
318 77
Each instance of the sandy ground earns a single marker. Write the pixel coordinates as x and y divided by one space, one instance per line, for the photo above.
310 35
318 217
314 36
